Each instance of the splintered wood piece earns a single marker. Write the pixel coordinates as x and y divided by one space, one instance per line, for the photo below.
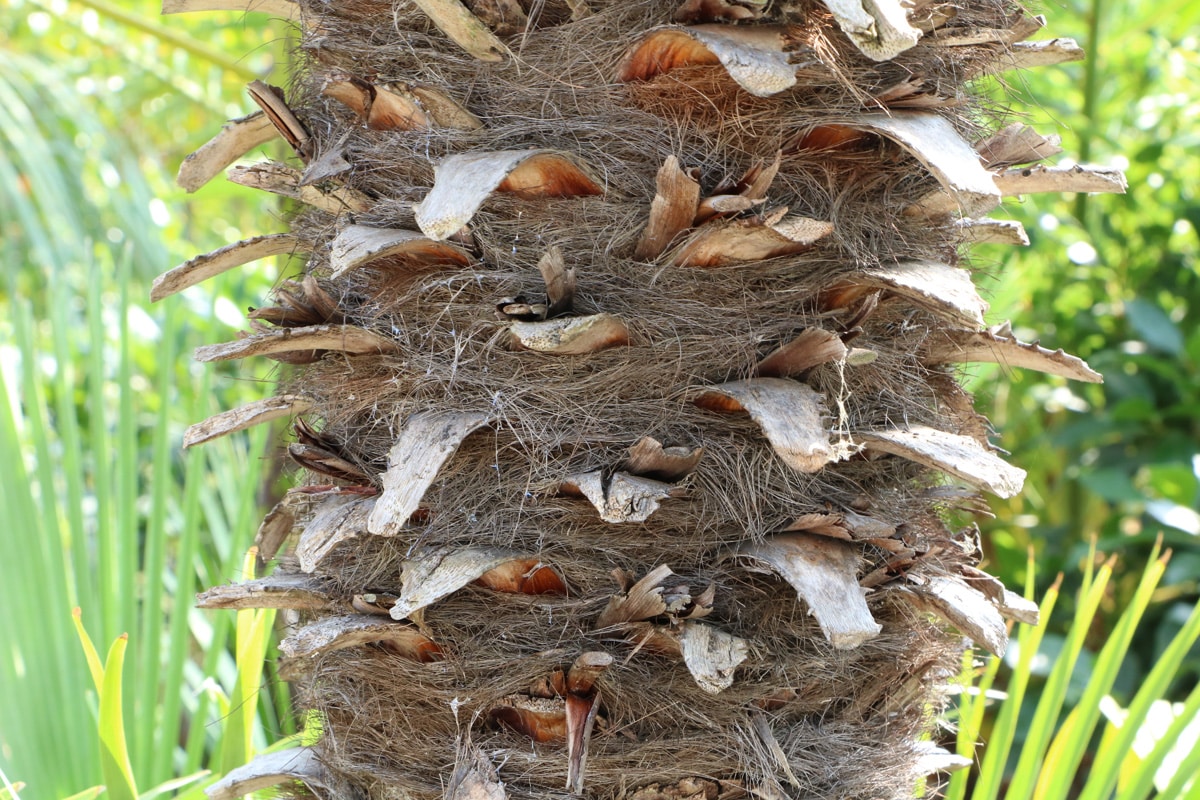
1017 144
209 265
237 137
992 231
1077 178
1022 28
737 241
464 181
824 573
338 338
315 458
813 347
933 141
722 204
957 346
287 182
960 456
362 245
1028 55
571 336
878 28
542 719
581 717
791 416
711 655
474 776
380 108
672 210
753 56
523 576
336 520
831 525
560 281
643 600
271 100
280 590
626 498
758 179
582 676
271 769
649 459
445 111
275 528
287 9
945 290
964 608
464 28
429 438
1015 607
693 11
436 572
247 416
354 630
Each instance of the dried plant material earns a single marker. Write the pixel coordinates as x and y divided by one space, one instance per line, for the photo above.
542 719
694 789
790 414
571 336
286 182
938 759
625 498
279 590
720 244
1077 178
831 525
300 304
209 265
999 346
1022 28
647 599
361 245
462 182
328 166
1017 144
346 339
286 9
711 655
354 630
1029 55
271 100
824 573
649 459
583 702
960 456
693 11
436 572
762 727
275 528
336 520
722 204
464 29
878 28
811 348
864 527
754 57
946 291
523 576
474 777
672 210
829 137
320 461
380 108
247 416
237 138
504 17
758 179
964 608
933 141
992 231
271 769
560 282
429 438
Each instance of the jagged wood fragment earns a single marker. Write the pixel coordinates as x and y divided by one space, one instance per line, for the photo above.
236 138
247 416
824 573
338 338
464 181
945 290
791 416
711 655
647 598
1029 55
625 498
560 281
964 608
287 9
753 56
271 769
464 28
354 630
992 231
649 459
993 346
571 336
879 28
583 703
811 348
287 182
362 245
209 265
737 241
1017 144
275 528
1022 28
961 456
676 197
1077 178
278 590
436 572
429 438
719 204
271 100
474 776
336 520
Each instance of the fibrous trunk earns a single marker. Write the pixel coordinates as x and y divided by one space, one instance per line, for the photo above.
634 463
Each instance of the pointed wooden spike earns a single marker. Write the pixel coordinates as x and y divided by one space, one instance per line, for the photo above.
964 608
354 630
247 416
711 655
1017 144
649 459
944 290
436 572
960 456
362 245
1077 178
464 181
474 776
790 414
992 231
279 590
755 183
271 100
753 56
811 348
271 769
464 29
286 9
336 520
737 241
878 28
824 573
560 281
958 346
571 336
581 717
209 265
237 138
523 576
672 210
337 338
429 438
287 182
626 498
